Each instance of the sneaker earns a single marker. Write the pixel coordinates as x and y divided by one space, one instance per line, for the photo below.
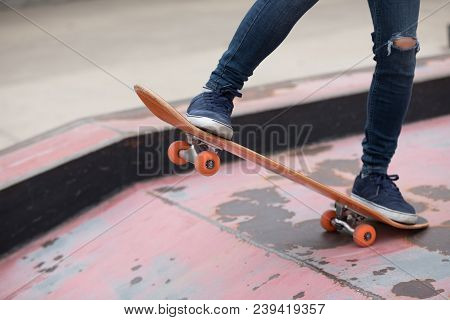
211 111
379 192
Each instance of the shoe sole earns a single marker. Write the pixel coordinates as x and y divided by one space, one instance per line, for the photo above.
397 216
213 126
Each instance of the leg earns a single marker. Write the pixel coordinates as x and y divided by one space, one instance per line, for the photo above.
261 31
395 47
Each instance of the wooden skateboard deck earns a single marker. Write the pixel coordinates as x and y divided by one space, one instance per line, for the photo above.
168 114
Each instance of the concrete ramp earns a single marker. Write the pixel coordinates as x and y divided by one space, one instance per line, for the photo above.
248 234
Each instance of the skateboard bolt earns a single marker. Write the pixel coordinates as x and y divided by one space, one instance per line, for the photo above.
210 164
367 236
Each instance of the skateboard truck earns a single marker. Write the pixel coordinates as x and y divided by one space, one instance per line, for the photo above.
342 216
349 221
202 155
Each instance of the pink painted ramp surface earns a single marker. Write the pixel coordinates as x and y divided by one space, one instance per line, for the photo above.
246 233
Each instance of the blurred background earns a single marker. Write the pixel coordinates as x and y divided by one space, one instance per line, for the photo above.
62 60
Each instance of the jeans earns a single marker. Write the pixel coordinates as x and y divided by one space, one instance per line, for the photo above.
268 23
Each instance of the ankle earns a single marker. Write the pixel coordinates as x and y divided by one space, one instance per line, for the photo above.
226 90
368 170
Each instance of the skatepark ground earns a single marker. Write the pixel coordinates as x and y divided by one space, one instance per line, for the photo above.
80 220
247 233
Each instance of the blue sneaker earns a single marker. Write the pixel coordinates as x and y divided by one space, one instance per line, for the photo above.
379 192
211 111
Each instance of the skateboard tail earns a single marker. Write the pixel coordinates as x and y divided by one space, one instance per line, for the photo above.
149 98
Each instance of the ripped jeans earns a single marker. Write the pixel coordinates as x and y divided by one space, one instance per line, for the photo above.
268 23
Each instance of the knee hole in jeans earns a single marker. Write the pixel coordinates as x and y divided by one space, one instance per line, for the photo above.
405 43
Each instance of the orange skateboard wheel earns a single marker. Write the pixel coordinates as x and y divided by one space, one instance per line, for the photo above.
325 220
207 163
364 235
174 152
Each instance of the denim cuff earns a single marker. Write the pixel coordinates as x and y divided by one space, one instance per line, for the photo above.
366 170
222 89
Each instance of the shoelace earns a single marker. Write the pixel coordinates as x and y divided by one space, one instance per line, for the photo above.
386 182
211 98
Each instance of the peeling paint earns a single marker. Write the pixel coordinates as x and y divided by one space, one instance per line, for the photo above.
267 223
49 243
299 295
325 171
307 253
416 289
227 219
435 193
272 277
383 271
135 281
170 189
433 239
49 270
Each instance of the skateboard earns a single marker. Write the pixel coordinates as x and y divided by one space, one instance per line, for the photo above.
201 149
